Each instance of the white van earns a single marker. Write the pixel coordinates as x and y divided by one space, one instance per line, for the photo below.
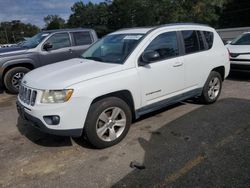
124 75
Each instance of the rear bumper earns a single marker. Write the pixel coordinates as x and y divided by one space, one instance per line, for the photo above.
37 123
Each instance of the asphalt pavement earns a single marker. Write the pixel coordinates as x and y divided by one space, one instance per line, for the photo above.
185 145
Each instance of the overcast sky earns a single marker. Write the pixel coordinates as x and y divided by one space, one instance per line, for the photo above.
33 11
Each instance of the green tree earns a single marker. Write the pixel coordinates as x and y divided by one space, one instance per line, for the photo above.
15 31
115 14
54 22
235 14
90 16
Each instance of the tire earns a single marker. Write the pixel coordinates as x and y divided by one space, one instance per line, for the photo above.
212 88
99 119
13 77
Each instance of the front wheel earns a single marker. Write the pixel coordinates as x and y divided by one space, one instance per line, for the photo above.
13 77
212 88
108 122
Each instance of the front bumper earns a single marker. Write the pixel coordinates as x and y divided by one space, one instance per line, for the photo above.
37 123
240 65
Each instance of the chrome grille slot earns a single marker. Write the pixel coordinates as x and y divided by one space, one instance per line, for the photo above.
33 98
27 95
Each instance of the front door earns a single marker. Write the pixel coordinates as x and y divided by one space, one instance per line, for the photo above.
163 78
61 49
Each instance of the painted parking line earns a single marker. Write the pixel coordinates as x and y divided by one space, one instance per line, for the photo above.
200 158
184 170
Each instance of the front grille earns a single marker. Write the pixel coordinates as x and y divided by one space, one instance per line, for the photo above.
27 95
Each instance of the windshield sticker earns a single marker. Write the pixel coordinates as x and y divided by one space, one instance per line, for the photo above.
132 37
45 34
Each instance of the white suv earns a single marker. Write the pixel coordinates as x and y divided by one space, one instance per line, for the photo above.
122 76
239 50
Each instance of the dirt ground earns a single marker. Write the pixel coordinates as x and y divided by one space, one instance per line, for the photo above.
185 145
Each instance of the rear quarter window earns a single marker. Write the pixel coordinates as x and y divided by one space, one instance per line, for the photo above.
82 38
209 37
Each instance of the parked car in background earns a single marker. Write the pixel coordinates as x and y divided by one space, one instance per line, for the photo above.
7 45
124 75
239 50
42 49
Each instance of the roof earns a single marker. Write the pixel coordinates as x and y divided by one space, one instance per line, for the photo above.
144 30
65 30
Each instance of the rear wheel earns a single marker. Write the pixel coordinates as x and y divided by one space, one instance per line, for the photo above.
13 77
212 88
108 122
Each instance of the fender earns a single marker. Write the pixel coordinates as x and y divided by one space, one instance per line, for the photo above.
18 61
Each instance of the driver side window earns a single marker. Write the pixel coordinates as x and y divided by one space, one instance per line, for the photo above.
59 40
165 44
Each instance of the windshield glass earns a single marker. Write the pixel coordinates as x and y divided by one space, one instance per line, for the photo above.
35 40
242 40
113 48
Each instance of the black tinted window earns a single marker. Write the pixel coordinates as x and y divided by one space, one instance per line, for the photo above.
190 41
59 40
209 37
165 44
201 41
82 38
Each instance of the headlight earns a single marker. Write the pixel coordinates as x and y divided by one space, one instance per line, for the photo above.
56 96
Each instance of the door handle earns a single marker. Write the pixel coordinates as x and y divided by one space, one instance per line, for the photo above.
70 51
177 64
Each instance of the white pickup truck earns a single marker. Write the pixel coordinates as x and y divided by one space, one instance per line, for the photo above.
122 76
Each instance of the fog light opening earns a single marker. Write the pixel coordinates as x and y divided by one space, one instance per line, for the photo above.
52 120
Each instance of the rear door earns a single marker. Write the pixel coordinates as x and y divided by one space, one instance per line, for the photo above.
61 49
81 41
195 58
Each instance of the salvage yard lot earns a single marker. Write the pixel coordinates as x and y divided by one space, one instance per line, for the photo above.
186 145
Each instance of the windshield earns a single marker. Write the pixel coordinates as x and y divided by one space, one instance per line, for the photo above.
34 41
242 40
113 48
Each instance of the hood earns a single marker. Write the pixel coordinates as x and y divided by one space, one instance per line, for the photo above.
238 48
66 73
12 50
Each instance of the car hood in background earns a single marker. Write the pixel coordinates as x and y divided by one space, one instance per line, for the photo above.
238 48
66 73
12 51
239 52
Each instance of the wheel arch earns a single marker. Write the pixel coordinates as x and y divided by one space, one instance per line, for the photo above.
221 71
24 64
124 95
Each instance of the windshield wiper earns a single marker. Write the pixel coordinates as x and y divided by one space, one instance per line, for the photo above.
94 58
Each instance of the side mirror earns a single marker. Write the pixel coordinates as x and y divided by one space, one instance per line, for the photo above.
148 57
47 46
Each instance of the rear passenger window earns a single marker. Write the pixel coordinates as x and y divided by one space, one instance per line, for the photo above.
201 41
165 44
209 37
82 38
190 41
